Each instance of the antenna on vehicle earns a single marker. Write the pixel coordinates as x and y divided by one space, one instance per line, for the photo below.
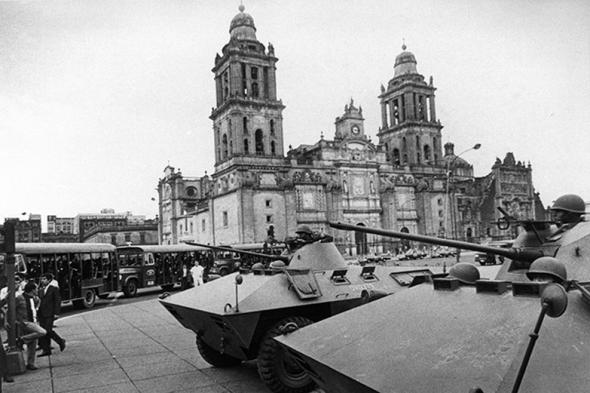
554 303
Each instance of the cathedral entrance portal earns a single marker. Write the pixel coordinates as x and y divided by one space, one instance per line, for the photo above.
360 239
405 243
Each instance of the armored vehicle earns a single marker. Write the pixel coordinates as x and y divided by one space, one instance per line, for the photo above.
463 334
235 317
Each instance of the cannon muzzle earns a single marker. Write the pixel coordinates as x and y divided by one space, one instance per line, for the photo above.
512 253
244 252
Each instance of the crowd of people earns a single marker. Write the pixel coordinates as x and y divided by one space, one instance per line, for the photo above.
36 309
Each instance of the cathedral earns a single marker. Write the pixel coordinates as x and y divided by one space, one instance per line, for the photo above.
406 181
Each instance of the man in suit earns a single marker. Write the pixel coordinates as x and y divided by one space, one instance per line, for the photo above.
48 311
26 318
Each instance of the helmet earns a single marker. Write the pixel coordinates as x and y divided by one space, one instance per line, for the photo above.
277 264
304 229
547 267
258 266
570 203
464 272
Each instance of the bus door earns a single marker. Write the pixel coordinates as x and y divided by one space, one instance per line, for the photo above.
62 276
173 267
90 266
165 276
109 272
149 270
75 276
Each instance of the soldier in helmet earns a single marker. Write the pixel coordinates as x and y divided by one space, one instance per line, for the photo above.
547 270
304 234
567 211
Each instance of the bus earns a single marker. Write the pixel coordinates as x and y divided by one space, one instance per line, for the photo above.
83 271
156 265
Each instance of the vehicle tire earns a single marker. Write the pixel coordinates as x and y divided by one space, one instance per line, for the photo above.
215 358
88 299
224 271
277 370
130 289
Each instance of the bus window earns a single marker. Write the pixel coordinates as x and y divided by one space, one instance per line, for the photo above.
75 275
63 275
86 266
34 265
96 270
48 264
19 264
149 259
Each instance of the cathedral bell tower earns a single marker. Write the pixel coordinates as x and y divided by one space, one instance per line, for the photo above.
248 118
350 124
410 130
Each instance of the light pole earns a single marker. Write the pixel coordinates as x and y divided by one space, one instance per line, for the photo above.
449 175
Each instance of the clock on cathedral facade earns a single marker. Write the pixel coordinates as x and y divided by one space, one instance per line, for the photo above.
398 182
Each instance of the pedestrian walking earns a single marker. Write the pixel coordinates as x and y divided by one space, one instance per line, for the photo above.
4 374
197 273
26 318
49 308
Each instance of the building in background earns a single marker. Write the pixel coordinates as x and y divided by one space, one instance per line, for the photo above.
144 232
27 231
104 227
403 181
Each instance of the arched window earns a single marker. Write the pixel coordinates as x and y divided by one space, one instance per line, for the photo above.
224 145
417 142
272 148
396 156
231 147
405 159
427 153
246 146
404 144
258 143
272 127
245 124
418 158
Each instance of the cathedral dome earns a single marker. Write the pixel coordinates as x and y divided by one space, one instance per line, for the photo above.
452 160
405 63
242 26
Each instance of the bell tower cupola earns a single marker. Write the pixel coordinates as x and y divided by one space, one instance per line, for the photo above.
247 119
409 127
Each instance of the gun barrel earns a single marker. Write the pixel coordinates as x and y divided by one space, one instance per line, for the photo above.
237 250
512 253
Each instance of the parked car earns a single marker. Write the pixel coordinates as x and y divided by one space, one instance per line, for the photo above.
487 259
491 259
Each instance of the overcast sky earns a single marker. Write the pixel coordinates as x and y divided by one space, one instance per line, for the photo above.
97 97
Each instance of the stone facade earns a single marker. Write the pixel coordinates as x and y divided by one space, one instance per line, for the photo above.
145 233
402 182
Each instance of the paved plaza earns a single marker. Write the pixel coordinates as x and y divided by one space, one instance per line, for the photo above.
131 348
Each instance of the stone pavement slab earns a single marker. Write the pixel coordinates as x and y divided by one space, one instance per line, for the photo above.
131 348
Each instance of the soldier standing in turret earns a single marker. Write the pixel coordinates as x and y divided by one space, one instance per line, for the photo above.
567 211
